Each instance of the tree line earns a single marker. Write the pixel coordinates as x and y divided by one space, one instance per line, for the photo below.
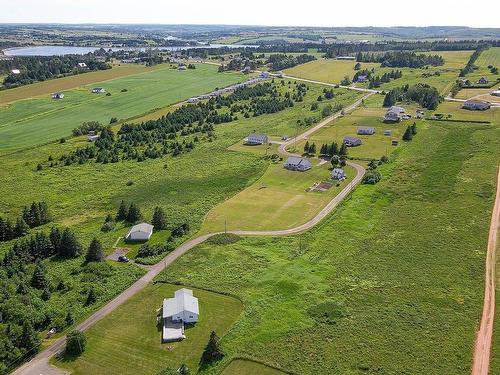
41 68
377 80
33 216
401 59
469 67
425 95
281 61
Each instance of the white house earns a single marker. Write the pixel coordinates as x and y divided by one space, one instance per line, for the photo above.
338 174
140 232
256 139
182 308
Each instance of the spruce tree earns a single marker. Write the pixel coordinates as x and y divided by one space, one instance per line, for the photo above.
91 297
159 219
414 129
21 228
408 135
213 351
29 339
122 211
95 252
70 247
39 278
306 147
134 214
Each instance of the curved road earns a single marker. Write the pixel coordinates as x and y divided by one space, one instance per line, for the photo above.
39 365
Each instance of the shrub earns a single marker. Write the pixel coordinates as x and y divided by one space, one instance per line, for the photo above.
75 343
371 177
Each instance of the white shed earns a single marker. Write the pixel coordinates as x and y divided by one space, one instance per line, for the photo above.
140 232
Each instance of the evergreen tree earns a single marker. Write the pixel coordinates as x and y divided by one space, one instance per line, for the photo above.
70 319
29 339
134 214
21 228
69 247
343 150
75 343
122 211
408 135
335 161
159 219
312 149
213 351
91 297
95 252
306 147
39 278
414 129
55 238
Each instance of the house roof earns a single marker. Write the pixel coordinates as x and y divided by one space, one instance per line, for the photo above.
295 160
183 301
352 139
396 109
254 135
142 227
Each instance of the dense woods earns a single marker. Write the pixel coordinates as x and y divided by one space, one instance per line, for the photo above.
282 61
42 68
401 59
425 95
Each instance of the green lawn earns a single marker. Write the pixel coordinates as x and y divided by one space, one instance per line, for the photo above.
244 367
128 341
390 283
34 121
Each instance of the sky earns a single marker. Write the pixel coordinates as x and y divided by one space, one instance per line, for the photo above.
257 12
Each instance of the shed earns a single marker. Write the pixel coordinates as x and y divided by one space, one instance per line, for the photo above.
140 232
58 95
366 131
98 90
15 71
387 132
352 141
295 163
362 79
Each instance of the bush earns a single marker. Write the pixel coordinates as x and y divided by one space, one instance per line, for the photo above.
75 343
371 177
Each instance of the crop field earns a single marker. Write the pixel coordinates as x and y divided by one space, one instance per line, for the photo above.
128 341
71 82
392 282
278 200
29 122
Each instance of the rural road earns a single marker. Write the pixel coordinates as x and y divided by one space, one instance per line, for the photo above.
39 365
482 348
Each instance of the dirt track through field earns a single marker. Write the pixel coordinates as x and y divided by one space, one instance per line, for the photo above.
482 349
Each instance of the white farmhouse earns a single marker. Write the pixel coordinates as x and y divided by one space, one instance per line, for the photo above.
140 232
182 308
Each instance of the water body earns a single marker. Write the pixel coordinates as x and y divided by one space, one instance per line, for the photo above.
70 50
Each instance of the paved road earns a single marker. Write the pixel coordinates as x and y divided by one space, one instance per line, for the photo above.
482 348
39 365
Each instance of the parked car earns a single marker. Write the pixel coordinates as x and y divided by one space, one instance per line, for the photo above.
123 258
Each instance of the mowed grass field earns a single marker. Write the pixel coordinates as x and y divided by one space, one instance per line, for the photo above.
277 200
128 341
71 82
390 283
333 71
34 121
244 367
489 57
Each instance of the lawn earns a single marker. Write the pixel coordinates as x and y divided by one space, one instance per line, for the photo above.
71 82
277 200
128 341
391 282
457 113
34 121
244 367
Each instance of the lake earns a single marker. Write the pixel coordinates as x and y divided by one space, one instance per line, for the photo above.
70 50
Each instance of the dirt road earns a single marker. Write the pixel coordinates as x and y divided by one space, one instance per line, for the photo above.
482 349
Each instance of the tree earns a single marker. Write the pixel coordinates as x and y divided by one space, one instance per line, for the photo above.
39 278
306 147
95 252
91 297
75 343
414 129
29 339
343 150
21 228
312 149
69 246
134 214
357 66
371 177
122 211
335 161
159 219
213 351
70 319
408 135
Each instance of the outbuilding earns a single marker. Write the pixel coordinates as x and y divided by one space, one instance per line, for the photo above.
140 232
392 116
98 90
15 71
366 131
58 95
295 163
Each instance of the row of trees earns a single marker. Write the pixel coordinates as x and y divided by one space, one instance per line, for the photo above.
281 61
401 59
377 80
410 131
33 216
427 96
469 67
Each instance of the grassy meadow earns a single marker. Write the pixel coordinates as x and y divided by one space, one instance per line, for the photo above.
489 57
31 122
129 340
391 283
245 367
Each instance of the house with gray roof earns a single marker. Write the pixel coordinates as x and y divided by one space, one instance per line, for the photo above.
366 131
140 232
352 141
392 116
295 163
256 139
476 105
338 174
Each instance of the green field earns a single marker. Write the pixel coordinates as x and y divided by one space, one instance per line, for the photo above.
244 367
128 341
489 57
30 122
333 71
391 283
